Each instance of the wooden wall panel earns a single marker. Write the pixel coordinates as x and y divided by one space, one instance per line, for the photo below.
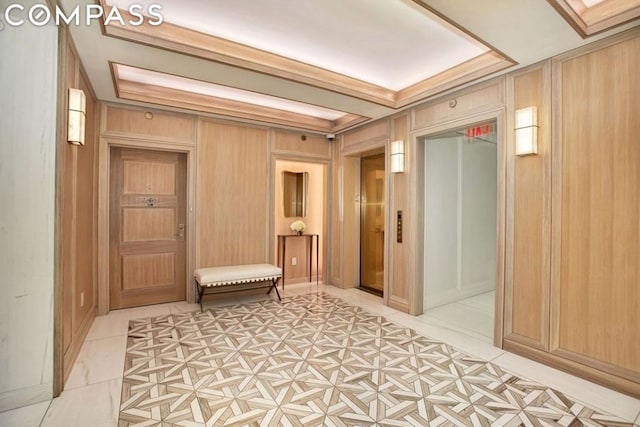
292 142
86 217
76 308
597 206
334 242
359 138
232 192
400 291
527 294
120 121
479 97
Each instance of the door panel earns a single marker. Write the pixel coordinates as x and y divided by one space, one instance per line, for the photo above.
372 222
148 271
149 177
143 224
147 227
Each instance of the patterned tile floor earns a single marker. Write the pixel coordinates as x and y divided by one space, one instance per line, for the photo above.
315 360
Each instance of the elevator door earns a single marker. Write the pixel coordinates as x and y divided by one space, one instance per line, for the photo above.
372 182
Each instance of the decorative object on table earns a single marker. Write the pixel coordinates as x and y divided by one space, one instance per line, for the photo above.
298 226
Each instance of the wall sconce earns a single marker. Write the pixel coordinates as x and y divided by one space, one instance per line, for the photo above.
397 156
527 131
76 116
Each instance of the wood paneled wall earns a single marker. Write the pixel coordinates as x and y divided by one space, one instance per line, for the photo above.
570 251
76 308
401 282
596 197
529 206
572 295
233 218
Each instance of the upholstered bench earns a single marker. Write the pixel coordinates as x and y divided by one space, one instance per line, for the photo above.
236 277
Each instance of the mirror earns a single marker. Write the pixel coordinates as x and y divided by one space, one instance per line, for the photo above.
295 186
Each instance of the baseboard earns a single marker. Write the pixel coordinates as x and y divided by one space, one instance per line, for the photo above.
303 279
25 396
77 340
623 385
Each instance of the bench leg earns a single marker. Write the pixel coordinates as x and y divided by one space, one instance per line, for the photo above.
200 290
275 286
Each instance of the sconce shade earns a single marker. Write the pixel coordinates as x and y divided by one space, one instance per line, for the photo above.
397 156
526 131
76 116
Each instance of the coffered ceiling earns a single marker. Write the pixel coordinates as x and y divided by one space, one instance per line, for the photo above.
319 65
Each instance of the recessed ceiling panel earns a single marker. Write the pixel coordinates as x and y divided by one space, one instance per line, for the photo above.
392 43
142 85
154 78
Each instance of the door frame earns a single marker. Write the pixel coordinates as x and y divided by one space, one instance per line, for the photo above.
273 179
378 146
499 115
104 187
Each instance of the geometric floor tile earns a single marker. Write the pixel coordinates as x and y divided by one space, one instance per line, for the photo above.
314 360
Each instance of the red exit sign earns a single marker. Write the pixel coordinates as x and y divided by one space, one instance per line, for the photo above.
476 131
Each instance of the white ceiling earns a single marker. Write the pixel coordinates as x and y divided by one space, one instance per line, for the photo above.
364 38
387 43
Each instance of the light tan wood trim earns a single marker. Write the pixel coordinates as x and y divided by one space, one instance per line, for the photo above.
399 304
501 236
588 21
618 383
347 121
197 102
570 15
466 72
415 220
105 145
328 203
75 346
598 364
58 338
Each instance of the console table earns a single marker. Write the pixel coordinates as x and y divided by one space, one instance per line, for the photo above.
282 251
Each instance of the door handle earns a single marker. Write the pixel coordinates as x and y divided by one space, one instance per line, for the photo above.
180 231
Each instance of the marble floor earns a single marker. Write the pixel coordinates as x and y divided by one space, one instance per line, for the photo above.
93 393
472 316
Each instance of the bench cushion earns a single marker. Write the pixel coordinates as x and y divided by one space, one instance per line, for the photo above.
234 274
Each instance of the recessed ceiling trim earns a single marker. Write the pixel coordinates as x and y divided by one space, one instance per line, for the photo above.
190 42
178 39
153 94
600 17
191 101
475 68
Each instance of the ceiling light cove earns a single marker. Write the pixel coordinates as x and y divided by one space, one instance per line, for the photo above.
390 52
155 87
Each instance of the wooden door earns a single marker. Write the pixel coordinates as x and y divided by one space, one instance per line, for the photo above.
147 227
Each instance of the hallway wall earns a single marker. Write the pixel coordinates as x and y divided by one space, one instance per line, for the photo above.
27 212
